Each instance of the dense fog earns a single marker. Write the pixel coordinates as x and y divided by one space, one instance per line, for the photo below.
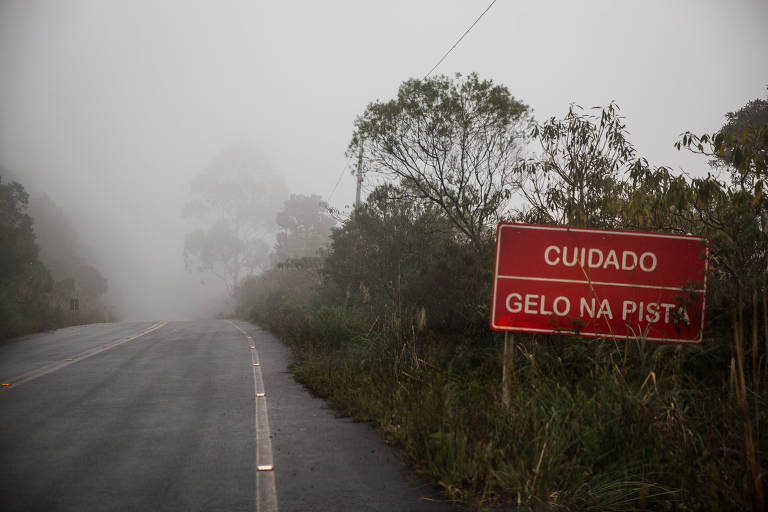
113 113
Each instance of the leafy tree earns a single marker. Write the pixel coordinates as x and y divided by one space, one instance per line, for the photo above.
740 146
90 280
236 199
61 252
282 294
305 227
752 115
24 280
577 179
59 245
734 214
450 142
659 200
374 248
397 255
17 237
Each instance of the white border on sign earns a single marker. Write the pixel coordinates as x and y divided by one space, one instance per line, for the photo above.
600 231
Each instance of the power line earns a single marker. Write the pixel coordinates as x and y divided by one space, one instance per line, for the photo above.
462 37
346 166
341 175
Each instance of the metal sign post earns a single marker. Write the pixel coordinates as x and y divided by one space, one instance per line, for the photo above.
507 364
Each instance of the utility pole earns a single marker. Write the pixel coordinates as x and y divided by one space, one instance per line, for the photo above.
359 173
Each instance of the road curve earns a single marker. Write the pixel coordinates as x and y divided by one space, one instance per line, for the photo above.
181 416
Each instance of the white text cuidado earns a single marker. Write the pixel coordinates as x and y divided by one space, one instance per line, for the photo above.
598 258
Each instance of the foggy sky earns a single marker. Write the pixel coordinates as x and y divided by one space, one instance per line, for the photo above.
111 107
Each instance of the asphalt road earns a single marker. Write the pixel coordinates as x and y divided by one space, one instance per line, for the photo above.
182 416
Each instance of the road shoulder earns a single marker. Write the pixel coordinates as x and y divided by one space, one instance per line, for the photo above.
323 462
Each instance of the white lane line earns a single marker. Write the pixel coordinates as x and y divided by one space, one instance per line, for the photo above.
601 283
52 367
266 492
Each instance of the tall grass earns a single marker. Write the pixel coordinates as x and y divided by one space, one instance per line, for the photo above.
592 424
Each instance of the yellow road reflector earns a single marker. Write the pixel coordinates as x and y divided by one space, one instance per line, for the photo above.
265 467
69 359
6 384
260 395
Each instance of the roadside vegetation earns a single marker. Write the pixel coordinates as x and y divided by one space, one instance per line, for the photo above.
389 320
42 269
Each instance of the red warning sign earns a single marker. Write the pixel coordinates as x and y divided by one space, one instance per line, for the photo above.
599 283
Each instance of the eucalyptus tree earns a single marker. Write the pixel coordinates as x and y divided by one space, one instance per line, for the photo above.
236 200
740 146
451 142
577 176
305 228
